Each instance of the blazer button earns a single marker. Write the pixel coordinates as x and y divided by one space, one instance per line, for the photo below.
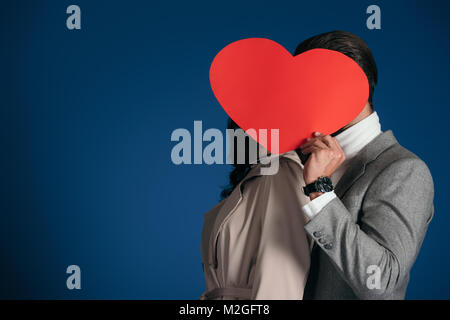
317 234
328 246
322 241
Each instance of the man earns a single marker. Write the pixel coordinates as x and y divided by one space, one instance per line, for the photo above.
368 231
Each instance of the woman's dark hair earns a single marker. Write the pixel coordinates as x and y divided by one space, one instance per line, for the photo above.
240 170
341 41
349 44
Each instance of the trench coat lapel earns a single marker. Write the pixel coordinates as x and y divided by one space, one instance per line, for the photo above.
232 202
225 212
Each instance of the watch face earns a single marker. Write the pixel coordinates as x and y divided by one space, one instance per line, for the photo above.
327 187
321 188
324 184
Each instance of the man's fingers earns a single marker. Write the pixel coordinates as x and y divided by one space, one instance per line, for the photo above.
307 144
316 142
312 139
337 148
310 149
329 141
338 145
321 141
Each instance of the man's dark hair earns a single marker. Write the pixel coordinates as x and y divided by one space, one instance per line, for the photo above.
350 45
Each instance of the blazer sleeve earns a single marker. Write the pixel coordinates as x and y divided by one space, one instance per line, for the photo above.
283 257
396 211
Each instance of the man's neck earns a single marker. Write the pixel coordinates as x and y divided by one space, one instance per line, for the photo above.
367 111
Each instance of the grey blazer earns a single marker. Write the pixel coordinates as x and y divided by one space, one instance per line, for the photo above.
367 239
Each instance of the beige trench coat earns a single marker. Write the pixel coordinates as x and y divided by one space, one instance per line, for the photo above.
254 245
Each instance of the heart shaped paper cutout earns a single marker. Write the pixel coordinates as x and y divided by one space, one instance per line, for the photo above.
260 85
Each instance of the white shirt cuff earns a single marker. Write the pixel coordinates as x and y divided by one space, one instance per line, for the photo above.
314 206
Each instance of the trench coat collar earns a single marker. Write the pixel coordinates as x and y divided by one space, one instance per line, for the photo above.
232 201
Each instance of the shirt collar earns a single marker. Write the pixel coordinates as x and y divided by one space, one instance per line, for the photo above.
356 137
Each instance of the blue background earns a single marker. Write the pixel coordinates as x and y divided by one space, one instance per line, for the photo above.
86 118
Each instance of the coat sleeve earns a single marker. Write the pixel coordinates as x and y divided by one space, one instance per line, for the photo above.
394 217
283 257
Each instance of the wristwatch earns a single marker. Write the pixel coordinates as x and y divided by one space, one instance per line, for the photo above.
322 184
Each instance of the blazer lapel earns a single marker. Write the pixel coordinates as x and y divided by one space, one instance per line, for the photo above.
358 165
354 172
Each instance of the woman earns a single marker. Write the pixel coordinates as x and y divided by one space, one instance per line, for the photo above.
253 242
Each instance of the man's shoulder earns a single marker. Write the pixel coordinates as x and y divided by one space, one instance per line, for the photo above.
397 158
397 152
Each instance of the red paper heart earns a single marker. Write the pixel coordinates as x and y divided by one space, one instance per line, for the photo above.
260 85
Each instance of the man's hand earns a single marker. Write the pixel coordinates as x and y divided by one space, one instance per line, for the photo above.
326 156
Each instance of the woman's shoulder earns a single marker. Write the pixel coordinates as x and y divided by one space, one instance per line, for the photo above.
284 187
290 168
256 185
